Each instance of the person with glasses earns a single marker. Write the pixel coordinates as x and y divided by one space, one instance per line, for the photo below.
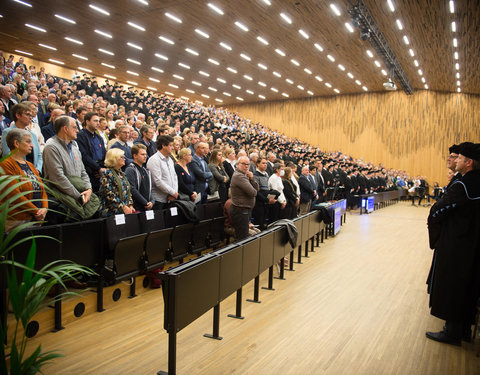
22 117
115 192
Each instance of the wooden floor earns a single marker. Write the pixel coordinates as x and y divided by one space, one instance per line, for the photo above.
357 305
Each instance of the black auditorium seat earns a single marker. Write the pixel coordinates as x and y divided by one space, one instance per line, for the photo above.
181 241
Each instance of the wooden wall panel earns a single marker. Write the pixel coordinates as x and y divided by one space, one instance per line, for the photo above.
412 133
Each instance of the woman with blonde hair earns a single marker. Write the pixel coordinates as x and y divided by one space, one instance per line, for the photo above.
114 193
186 179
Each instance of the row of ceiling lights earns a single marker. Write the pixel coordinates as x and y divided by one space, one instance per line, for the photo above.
406 40
451 6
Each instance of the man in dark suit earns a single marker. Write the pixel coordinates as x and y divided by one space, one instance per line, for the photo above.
307 191
321 188
92 148
200 170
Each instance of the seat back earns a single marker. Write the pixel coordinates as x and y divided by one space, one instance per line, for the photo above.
157 247
181 240
82 242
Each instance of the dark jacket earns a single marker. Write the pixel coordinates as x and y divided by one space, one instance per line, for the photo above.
85 145
135 180
202 176
127 150
306 189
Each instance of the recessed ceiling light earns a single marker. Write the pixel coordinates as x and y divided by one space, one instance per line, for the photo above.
263 84
212 88
196 83
157 69
384 72
318 78
285 94
24 53
132 73
99 10
225 45
331 58
350 75
106 52
178 77
455 42
286 18
405 39
457 75
219 100
459 89
273 89
230 69
84 69
457 66
239 98
349 27
144 2
151 88
264 67
133 45
341 67
369 53
426 86
185 97
415 62
262 40
73 40
335 9
47 46
310 92
451 6
23 3
173 18
138 27
241 26
103 33
226 93
160 56
454 26
358 82
168 93
108 65
304 34
236 86
261 96
250 92
215 8
205 96
364 88
410 51
248 77
202 33
191 51
246 57
306 70
300 87
399 24
79 56
173 85
213 61
166 40
377 63
63 18
204 73
109 76
295 62
319 47
56 61
390 5
280 52
420 72
288 80
424 80
184 66
277 74
337 91
190 91
221 80
154 79
455 55
132 83
36 28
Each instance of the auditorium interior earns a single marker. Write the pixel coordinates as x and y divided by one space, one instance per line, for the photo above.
388 84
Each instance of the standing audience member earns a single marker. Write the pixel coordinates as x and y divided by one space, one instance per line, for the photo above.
244 190
200 170
262 201
121 143
220 178
164 178
92 148
290 193
307 191
186 179
115 194
275 183
140 179
33 195
146 138
453 225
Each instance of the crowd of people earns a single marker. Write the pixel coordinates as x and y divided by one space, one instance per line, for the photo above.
113 149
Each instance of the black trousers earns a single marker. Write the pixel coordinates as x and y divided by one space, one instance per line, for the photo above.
240 222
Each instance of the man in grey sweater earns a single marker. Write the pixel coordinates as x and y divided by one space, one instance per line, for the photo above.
62 158
244 190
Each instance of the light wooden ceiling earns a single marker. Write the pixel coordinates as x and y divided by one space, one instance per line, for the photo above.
426 23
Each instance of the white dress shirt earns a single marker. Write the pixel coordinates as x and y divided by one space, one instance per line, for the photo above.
275 183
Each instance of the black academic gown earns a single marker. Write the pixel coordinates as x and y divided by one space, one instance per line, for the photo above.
453 226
